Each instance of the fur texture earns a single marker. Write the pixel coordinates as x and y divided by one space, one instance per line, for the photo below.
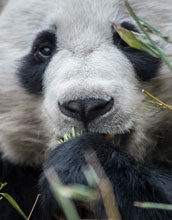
132 181
88 61
87 65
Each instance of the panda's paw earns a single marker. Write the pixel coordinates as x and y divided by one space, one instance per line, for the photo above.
68 161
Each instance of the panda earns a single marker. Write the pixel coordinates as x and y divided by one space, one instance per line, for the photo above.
63 65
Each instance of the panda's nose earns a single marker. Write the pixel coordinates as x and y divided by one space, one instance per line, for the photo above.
86 110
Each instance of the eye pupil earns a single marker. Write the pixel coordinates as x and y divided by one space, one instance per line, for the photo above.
44 47
45 51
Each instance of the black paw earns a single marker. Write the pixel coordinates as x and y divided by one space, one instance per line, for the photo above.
132 181
68 161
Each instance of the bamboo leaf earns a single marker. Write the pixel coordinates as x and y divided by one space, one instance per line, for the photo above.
14 204
79 192
69 136
135 40
150 205
154 45
67 204
153 30
91 176
157 100
2 185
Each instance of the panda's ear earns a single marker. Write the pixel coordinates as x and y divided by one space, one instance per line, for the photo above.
2 4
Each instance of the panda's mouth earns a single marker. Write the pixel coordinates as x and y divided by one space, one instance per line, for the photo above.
118 140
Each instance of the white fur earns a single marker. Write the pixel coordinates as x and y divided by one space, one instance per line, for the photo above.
87 65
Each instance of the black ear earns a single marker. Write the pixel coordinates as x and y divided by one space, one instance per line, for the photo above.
2 4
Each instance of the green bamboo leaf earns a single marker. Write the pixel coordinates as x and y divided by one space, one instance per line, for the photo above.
69 136
135 41
153 30
14 204
91 176
73 133
67 204
80 192
145 41
150 205
2 185
154 45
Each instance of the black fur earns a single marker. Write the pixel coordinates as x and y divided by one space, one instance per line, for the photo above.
23 187
145 65
33 65
131 180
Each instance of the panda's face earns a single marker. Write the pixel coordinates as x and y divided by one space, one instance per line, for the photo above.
72 66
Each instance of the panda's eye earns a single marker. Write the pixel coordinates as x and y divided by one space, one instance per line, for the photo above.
44 47
43 52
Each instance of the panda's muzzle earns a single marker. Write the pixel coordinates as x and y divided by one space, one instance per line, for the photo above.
86 110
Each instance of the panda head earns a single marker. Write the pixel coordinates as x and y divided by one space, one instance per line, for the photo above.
63 65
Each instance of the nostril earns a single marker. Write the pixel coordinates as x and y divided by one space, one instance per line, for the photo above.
71 109
99 106
86 109
71 106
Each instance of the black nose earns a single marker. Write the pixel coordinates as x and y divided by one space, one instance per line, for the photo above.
87 109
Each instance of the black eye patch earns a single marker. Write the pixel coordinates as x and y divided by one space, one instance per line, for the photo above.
145 65
35 63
